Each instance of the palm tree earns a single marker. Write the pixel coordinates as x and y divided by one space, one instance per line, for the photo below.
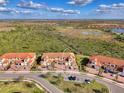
100 71
53 65
116 77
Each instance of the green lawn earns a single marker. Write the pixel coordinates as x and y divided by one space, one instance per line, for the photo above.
19 87
72 87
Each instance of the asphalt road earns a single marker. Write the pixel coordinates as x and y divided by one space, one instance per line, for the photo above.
44 83
52 89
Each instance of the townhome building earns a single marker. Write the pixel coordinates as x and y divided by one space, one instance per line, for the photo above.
17 61
59 62
109 64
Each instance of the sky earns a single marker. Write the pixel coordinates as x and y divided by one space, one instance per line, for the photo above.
61 9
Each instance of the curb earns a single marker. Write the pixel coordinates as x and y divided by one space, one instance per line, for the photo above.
108 80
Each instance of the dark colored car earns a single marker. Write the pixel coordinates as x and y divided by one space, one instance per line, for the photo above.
72 77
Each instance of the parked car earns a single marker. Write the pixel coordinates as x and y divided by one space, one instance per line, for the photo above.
72 77
121 74
113 75
87 81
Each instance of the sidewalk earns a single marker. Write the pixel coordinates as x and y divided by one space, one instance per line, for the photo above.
108 80
105 75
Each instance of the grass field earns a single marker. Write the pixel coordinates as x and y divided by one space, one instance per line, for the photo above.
19 87
40 38
73 87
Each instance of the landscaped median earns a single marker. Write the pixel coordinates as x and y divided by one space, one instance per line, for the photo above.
20 86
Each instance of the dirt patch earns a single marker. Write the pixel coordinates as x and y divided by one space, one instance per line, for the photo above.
86 33
6 26
7 29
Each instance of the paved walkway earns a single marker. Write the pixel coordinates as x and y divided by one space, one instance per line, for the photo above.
106 75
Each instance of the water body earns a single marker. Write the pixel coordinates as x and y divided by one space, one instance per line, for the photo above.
91 33
118 30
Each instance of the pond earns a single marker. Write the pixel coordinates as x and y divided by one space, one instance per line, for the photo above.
91 33
118 30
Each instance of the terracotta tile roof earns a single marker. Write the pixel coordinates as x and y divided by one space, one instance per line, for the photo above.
18 55
55 55
105 59
22 56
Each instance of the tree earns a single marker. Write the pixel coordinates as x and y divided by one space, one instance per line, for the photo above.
68 90
53 65
119 37
104 90
100 71
59 78
28 84
84 61
19 79
107 30
116 77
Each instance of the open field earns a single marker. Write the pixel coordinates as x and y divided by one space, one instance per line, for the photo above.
73 87
19 87
85 33
46 36
6 26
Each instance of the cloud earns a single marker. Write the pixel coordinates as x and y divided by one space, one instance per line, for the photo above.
104 6
23 12
56 9
30 5
14 11
63 11
118 6
109 11
71 12
80 2
6 10
3 2
26 12
110 8
103 9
